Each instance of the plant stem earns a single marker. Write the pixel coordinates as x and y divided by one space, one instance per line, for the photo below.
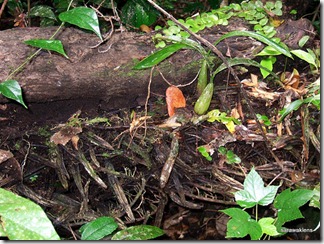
221 56
38 51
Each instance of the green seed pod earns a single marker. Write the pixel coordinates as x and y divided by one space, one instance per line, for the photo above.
204 100
202 78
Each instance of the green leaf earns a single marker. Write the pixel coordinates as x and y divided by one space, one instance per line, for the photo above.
159 56
82 17
315 201
244 61
138 12
268 64
12 90
42 11
52 45
22 219
98 228
268 227
268 51
241 224
303 41
254 191
291 107
139 232
232 157
203 152
288 203
259 37
305 56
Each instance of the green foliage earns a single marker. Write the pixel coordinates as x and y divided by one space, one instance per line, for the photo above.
104 226
159 56
139 232
280 48
313 97
287 204
264 119
203 151
22 219
241 224
12 90
45 13
82 17
217 115
254 192
138 12
52 45
306 56
98 228
230 156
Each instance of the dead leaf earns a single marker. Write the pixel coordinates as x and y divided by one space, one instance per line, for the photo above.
65 134
174 99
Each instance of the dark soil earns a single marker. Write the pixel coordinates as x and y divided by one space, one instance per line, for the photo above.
128 152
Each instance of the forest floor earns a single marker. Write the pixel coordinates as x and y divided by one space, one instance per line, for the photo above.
111 163
140 166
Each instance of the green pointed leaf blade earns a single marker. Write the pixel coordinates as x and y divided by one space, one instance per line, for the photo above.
52 45
98 228
304 56
259 37
82 17
254 191
245 61
295 105
12 90
267 62
241 224
22 219
159 56
268 227
139 232
288 203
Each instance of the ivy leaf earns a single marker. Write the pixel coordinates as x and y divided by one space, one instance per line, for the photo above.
82 17
52 45
98 228
288 203
139 232
159 56
268 227
254 191
12 90
241 224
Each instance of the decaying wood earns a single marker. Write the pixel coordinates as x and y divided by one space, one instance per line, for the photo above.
105 73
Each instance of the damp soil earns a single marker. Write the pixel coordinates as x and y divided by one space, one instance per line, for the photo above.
79 162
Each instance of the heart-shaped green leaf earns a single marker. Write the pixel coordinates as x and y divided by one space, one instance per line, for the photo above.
82 17
52 45
12 90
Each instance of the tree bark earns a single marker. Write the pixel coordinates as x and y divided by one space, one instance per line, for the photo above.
105 73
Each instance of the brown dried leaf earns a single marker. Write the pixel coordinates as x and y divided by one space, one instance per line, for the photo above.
64 135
